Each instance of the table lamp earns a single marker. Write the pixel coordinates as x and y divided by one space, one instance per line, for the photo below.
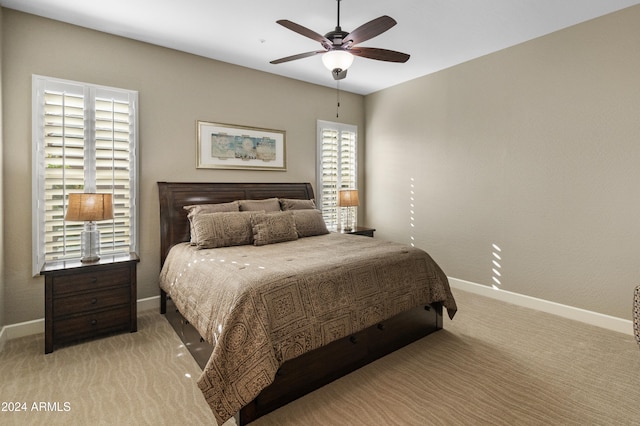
89 208
348 198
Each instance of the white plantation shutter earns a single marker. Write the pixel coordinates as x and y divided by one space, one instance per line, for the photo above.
114 171
337 167
63 125
84 140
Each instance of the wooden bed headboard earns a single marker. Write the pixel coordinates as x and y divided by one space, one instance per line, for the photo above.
174 225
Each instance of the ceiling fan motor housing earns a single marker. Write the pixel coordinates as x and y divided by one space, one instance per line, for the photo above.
337 37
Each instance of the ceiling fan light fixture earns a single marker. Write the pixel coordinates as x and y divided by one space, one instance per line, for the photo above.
337 59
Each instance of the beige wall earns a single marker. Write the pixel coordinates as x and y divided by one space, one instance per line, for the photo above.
535 149
175 90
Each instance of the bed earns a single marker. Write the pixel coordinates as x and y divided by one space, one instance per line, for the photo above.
273 320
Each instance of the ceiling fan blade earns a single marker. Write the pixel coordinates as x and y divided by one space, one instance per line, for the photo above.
371 29
380 54
304 31
298 56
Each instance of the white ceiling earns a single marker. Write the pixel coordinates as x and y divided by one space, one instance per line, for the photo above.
436 33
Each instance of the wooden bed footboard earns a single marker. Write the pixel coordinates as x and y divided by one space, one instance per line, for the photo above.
163 302
311 371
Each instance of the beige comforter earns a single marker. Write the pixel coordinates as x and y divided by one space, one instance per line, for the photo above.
260 306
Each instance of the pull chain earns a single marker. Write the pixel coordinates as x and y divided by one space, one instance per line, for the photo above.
338 98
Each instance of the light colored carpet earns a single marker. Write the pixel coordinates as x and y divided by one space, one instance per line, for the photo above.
138 378
494 364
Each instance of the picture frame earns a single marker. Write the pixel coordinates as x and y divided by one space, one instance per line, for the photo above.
230 146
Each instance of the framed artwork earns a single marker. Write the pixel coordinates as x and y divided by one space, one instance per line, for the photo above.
228 146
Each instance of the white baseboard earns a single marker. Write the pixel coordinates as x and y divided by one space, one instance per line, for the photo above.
589 317
3 337
28 328
149 303
14 331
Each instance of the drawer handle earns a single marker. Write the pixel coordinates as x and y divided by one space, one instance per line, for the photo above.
381 327
353 339
94 280
94 301
94 322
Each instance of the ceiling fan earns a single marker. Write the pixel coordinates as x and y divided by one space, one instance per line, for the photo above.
339 47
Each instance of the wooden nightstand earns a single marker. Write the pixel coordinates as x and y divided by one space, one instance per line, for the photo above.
360 230
84 300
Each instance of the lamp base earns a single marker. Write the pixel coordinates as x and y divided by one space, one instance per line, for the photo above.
90 243
348 227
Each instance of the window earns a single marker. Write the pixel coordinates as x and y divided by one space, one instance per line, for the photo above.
337 167
84 140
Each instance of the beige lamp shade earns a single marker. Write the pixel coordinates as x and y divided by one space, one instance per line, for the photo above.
348 198
89 207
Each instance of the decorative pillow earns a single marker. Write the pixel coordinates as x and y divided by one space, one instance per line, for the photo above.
267 205
195 209
309 223
270 228
293 204
224 229
233 206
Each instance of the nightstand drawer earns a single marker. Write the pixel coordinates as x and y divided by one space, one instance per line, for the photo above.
90 301
93 324
93 280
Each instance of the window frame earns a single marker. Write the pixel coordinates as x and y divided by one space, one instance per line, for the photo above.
334 221
90 93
